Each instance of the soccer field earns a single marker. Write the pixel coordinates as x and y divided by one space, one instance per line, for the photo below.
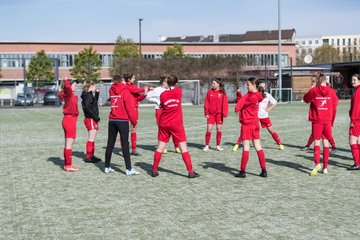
41 201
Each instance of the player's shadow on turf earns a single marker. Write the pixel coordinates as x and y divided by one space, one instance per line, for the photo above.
195 145
292 165
148 147
293 146
331 162
148 168
56 161
222 168
79 154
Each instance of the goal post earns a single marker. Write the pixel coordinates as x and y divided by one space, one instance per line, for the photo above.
286 94
190 90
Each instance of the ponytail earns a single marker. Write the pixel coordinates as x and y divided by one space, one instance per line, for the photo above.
259 87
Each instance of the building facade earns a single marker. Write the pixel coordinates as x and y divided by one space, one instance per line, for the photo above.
15 55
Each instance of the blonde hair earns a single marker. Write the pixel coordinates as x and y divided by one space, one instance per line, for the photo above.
87 85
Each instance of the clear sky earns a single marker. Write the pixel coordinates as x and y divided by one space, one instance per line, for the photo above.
104 20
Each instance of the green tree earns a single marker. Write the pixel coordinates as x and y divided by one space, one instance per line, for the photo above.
326 54
40 69
87 65
174 51
125 48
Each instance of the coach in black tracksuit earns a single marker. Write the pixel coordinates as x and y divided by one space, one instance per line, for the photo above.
91 112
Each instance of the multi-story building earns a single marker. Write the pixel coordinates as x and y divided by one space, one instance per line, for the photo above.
345 44
307 44
13 55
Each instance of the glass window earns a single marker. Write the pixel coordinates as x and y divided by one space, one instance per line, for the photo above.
310 42
343 43
316 41
332 42
303 42
338 42
349 41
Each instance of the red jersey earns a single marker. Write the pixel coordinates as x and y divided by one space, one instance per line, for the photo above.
216 102
71 100
170 103
135 92
122 104
323 102
355 106
248 107
238 95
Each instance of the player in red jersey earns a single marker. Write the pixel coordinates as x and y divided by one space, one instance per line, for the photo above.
122 111
216 108
323 102
248 108
91 112
354 131
138 95
311 138
171 124
154 96
71 112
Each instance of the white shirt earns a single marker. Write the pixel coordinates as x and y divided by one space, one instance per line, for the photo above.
154 96
263 105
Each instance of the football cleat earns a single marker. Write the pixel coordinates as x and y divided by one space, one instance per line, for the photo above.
206 148
108 170
177 150
71 168
136 154
263 173
281 147
165 151
235 148
131 172
354 167
193 175
154 174
219 148
240 174
315 170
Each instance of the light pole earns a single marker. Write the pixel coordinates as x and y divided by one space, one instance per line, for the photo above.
140 20
279 54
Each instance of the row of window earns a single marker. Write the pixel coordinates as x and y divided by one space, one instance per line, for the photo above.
328 41
339 49
68 60
64 60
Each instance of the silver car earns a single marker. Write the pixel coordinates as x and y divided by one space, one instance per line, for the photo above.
20 100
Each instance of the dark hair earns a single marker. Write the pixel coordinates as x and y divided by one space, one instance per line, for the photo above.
253 81
127 76
163 79
221 84
357 76
117 78
320 77
73 81
172 80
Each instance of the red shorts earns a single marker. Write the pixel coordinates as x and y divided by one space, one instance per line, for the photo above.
355 131
69 126
215 118
250 131
157 115
91 124
320 130
265 122
178 134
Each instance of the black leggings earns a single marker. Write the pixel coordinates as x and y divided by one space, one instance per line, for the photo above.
123 129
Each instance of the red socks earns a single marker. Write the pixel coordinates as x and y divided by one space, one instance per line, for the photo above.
133 142
207 138
176 145
157 158
317 155
187 160
326 154
261 156
244 160
355 150
90 148
310 141
276 138
67 156
239 140
218 138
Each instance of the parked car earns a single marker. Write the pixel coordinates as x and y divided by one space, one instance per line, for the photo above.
20 100
50 98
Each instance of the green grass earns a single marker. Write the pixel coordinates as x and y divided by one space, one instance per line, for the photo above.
41 201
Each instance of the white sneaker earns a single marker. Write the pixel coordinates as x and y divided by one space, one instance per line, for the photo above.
219 148
108 170
132 172
206 148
